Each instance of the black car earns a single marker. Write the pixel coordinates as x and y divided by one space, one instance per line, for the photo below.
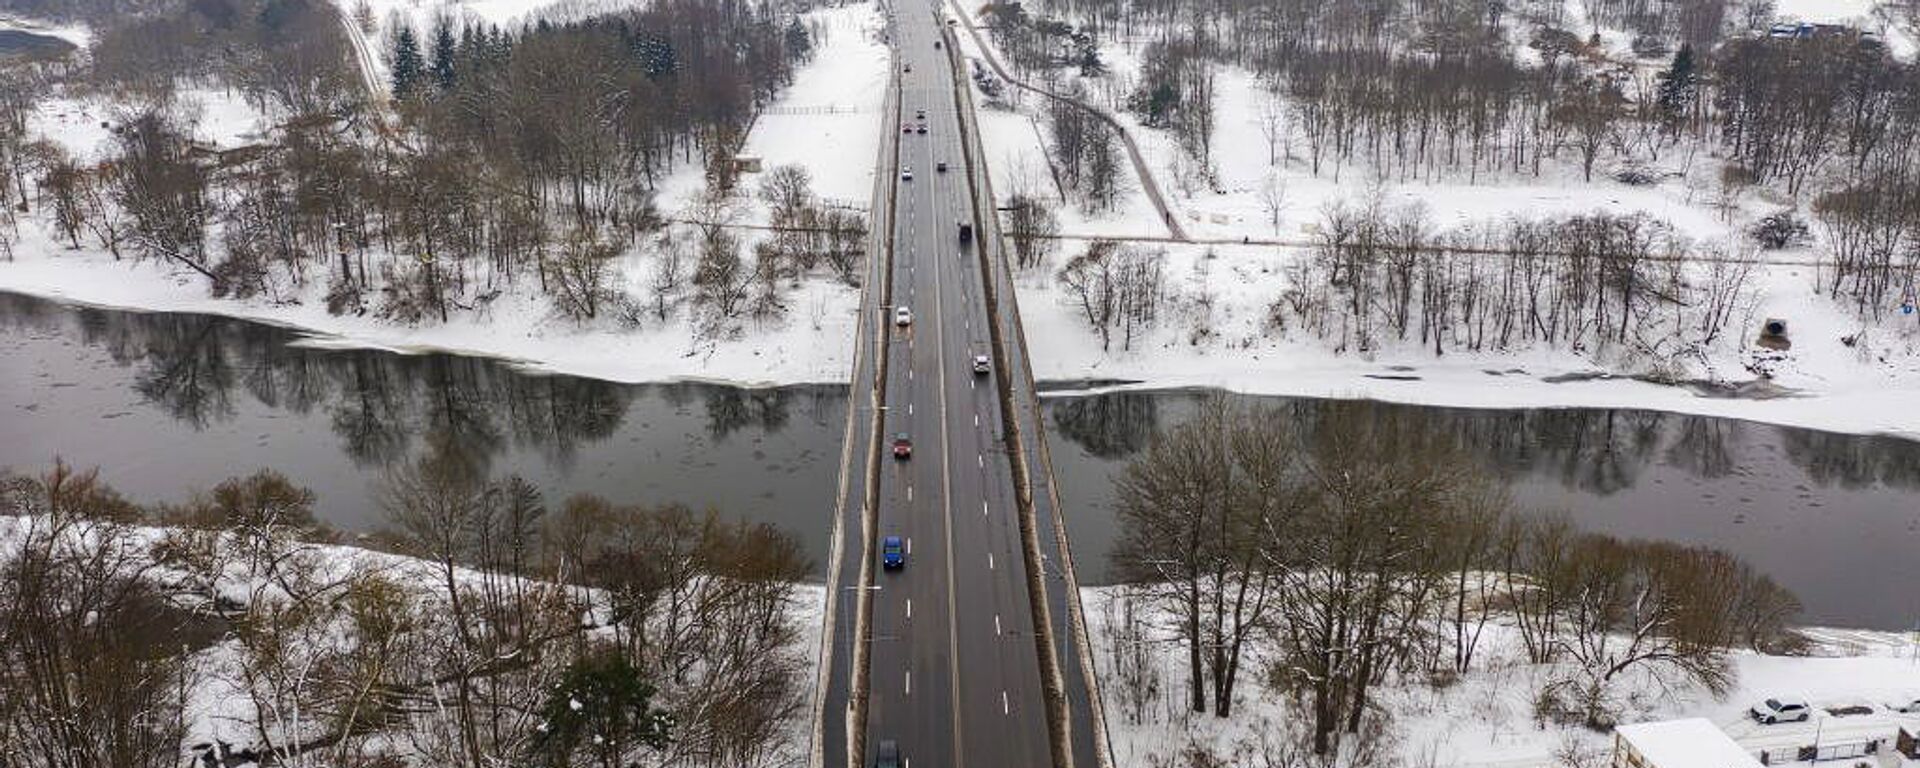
887 755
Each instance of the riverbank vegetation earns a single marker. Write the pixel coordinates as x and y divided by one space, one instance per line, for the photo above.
1331 561
482 626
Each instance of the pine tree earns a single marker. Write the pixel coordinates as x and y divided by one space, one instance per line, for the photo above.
442 55
1678 87
407 67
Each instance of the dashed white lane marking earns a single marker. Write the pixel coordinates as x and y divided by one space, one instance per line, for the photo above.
996 621
976 419
983 507
909 545
909 493
909 683
910 609
1006 708
989 561
909 409
982 460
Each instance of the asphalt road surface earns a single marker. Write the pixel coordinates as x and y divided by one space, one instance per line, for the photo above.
952 666
953 675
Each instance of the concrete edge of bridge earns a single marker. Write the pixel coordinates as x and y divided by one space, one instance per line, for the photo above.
853 719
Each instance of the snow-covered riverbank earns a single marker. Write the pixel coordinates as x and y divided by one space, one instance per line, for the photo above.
827 122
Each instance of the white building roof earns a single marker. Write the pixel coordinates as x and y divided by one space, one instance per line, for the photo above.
1691 743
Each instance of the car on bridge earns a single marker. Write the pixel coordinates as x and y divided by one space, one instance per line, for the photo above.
902 316
982 364
902 446
906 174
921 129
940 167
920 113
892 554
887 755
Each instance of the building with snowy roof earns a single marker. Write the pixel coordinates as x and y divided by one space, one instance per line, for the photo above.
1691 743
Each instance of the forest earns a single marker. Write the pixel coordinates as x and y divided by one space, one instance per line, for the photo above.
453 183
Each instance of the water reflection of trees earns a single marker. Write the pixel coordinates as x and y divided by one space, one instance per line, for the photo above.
1597 451
381 406
1111 426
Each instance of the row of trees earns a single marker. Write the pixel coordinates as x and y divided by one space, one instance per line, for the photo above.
596 633
1592 282
1361 548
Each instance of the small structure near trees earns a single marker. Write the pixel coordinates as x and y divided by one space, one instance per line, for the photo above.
1691 743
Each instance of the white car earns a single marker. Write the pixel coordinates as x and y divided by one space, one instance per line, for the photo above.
1784 709
906 174
982 363
1908 704
902 316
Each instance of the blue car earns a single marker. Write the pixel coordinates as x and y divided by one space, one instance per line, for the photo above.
892 555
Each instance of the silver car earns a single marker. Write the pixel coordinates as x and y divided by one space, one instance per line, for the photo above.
902 316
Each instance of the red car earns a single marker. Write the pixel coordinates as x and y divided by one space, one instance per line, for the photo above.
906 127
902 447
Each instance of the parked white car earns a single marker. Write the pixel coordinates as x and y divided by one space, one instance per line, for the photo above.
1785 709
1908 703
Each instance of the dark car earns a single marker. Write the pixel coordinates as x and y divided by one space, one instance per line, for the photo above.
940 167
922 128
887 755
902 446
892 554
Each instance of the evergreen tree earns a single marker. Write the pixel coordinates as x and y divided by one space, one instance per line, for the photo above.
442 55
656 55
601 712
1679 86
799 43
407 66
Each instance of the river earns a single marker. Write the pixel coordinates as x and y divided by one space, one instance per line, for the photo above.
168 403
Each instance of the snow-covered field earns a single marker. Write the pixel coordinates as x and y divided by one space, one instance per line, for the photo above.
827 122
1485 719
1227 289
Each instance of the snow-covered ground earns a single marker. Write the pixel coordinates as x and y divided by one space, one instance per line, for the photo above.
1870 387
827 122
218 708
1486 720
